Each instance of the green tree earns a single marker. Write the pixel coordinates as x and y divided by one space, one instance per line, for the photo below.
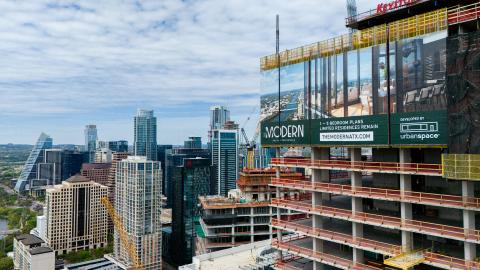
6 263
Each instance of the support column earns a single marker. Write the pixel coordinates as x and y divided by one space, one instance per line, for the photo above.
469 220
319 175
252 222
278 195
357 203
406 208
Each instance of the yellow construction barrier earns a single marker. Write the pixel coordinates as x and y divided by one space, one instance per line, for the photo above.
418 25
461 166
406 260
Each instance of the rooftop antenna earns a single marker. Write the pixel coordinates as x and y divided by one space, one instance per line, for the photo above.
278 63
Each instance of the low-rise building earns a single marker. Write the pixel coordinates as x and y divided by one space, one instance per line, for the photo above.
31 253
253 256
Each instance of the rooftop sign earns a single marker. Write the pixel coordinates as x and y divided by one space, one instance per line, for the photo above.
386 7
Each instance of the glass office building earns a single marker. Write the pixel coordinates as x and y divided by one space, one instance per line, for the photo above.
36 156
145 134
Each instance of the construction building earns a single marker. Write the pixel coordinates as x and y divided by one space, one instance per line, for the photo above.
31 253
76 218
244 216
390 113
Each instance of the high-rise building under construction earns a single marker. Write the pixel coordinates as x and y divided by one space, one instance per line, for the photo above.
390 113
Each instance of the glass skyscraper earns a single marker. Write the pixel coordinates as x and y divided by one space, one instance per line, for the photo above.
145 134
29 171
224 149
191 180
91 141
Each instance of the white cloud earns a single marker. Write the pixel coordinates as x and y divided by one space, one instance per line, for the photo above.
83 57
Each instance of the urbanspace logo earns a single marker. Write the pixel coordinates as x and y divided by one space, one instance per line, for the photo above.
418 130
385 7
287 131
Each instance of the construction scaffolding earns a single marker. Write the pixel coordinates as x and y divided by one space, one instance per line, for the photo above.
409 27
461 166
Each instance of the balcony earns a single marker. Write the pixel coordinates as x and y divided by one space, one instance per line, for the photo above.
439 230
340 238
451 201
362 166
293 245
463 14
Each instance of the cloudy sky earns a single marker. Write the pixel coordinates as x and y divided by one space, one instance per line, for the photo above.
65 64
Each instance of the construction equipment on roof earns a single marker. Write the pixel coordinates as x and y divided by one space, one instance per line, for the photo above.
124 237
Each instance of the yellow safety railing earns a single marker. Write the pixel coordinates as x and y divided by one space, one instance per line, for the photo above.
409 27
461 166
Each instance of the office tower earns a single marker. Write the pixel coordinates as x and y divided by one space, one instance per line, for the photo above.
72 163
101 144
174 158
219 115
103 155
29 171
138 203
225 160
193 142
59 165
31 253
191 180
91 141
161 156
76 217
50 169
145 134
118 146
97 172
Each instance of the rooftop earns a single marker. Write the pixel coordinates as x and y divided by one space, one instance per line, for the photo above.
29 239
96 166
77 179
40 250
241 257
98 264
219 202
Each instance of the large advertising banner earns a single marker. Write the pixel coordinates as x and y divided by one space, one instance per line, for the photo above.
420 128
356 130
287 133
414 128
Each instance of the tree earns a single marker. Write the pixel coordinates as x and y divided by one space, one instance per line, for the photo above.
6 263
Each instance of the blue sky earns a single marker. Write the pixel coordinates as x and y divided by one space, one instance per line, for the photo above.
65 64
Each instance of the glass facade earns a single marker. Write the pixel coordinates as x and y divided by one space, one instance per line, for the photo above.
355 82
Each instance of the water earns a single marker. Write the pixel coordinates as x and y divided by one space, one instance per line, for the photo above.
3 226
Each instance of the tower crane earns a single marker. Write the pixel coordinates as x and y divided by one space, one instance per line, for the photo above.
124 238
249 145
